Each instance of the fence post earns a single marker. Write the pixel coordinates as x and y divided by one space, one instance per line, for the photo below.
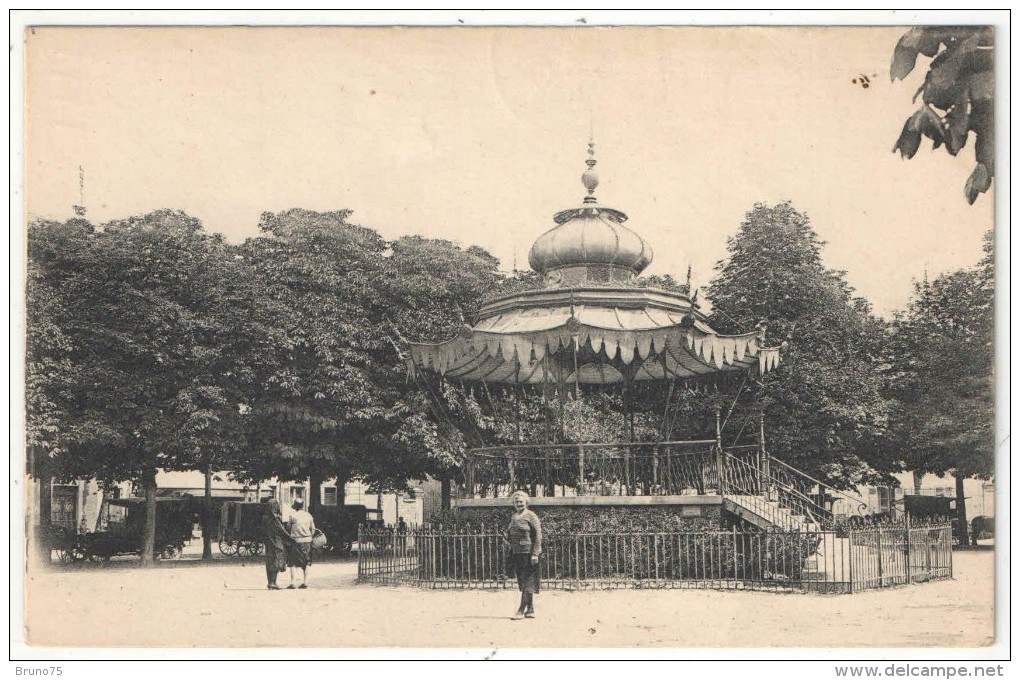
719 452
626 471
655 469
946 546
655 552
850 544
546 475
734 527
577 557
670 478
910 568
878 543
360 551
580 470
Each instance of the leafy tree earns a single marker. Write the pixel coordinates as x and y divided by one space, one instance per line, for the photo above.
825 414
134 378
312 283
940 376
958 95
331 396
430 288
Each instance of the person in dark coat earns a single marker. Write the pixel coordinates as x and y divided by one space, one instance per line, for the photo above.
525 537
279 544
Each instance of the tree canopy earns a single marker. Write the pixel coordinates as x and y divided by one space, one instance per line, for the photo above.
331 398
128 365
823 405
941 356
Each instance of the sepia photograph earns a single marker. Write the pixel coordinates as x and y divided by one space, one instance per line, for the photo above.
554 335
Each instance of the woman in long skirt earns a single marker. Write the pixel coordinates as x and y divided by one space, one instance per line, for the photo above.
525 537
279 543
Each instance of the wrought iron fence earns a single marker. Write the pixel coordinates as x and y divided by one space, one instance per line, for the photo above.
892 555
764 484
824 561
617 469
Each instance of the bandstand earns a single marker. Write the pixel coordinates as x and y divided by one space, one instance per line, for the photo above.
592 327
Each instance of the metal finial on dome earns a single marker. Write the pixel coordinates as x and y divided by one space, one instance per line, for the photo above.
590 178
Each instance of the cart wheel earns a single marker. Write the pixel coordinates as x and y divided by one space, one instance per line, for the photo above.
65 556
94 557
243 548
257 548
228 547
77 553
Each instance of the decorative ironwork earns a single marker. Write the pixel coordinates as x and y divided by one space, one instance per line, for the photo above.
617 469
781 494
819 561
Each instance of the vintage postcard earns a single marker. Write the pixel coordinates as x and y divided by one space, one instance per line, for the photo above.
486 337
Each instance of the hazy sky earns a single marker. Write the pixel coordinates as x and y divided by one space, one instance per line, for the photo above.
479 135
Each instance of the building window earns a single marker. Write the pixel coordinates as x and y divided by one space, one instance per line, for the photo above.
329 495
884 499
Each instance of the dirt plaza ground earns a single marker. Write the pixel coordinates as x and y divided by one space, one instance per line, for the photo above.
225 603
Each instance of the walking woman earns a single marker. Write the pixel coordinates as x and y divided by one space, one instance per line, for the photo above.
525 537
278 543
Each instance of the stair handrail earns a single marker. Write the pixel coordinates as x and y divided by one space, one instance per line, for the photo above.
805 500
862 504
779 482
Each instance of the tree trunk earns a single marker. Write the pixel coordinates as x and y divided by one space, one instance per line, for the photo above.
961 510
314 493
341 501
41 530
149 529
103 504
918 480
207 515
444 492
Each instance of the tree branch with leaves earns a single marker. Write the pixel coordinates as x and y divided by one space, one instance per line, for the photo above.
957 95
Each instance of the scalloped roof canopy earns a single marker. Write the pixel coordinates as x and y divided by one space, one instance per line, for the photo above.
575 331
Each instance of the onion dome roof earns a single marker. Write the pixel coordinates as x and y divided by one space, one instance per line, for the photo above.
590 236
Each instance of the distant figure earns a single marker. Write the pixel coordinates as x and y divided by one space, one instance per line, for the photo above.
83 527
302 528
525 537
401 535
278 542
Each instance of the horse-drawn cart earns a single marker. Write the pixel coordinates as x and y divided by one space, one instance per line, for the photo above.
340 524
241 530
124 522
